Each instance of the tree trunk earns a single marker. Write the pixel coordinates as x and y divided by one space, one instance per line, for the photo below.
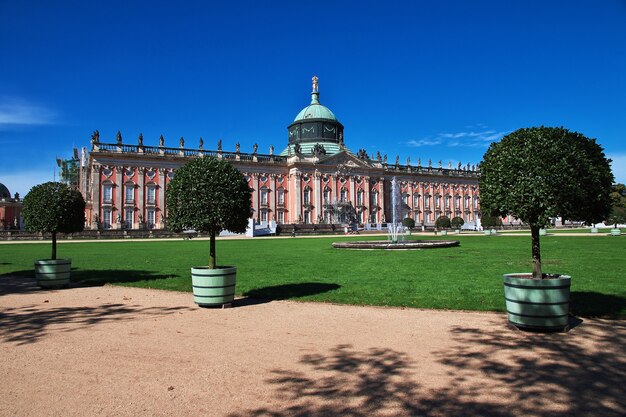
54 246
212 251
536 252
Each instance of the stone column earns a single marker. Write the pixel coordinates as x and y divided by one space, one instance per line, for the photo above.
318 197
95 194
381 196
119 188
297 197
255 196
366 199
272 197
141 176
162 172
352 191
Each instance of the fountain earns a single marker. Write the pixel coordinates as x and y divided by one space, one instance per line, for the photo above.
395 231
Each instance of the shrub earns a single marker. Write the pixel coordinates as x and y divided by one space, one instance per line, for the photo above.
538 173
457 222
488 221
53 207
442 222
208 195
408 222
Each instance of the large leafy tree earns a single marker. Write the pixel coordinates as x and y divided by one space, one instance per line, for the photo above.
208 195
542 172
53 207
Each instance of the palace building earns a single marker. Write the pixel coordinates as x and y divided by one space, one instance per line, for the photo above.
316 178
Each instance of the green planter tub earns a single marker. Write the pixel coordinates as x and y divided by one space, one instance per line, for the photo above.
541 304
616 232
213 287
53 273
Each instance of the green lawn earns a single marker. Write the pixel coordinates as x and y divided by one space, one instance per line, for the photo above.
468 277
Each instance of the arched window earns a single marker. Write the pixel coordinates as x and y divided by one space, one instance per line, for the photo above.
327 195
374 199
129 192
151 193
107 192
359 197
264 194
306 196
280 197
343 195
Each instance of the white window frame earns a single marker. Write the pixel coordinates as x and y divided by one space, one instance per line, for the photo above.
129 193
151 194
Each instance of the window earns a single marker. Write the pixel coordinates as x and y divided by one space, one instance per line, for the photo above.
416 200
374 198
107 193
130 193
307 196
467 199
307 217
475 203
457 202
327 195
106 218
264 216
280 196
327 217
150 215
359 198
447 202
151 189
437 201
281 216
128 218
405 198
343 195
427 201
264 196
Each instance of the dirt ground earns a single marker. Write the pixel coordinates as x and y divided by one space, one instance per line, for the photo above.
115 351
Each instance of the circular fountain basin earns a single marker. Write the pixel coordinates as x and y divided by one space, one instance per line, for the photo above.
408 245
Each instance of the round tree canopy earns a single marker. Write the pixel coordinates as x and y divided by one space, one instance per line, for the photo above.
542 172
53 207
208 195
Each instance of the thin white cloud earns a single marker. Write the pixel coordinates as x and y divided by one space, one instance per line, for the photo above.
423 142
19 112
469 139
618 166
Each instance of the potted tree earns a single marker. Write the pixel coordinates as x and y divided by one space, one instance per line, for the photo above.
409 223
209 195
456 223
618 209
534 174
53 208
442 223
489 222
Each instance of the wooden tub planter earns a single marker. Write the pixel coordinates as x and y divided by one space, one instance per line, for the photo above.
213 287
616 232
53 273
537 304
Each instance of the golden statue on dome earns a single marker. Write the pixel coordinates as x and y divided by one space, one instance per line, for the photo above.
314 79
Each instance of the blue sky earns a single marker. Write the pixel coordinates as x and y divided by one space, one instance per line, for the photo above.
430 80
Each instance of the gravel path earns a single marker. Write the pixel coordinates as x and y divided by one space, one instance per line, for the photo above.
115 351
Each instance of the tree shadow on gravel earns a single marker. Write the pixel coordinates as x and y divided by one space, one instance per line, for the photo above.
30 323
493 373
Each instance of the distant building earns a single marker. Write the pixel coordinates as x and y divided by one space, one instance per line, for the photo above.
314 179
10 210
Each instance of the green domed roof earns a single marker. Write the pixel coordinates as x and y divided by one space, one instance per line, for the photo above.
315 110
4 191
